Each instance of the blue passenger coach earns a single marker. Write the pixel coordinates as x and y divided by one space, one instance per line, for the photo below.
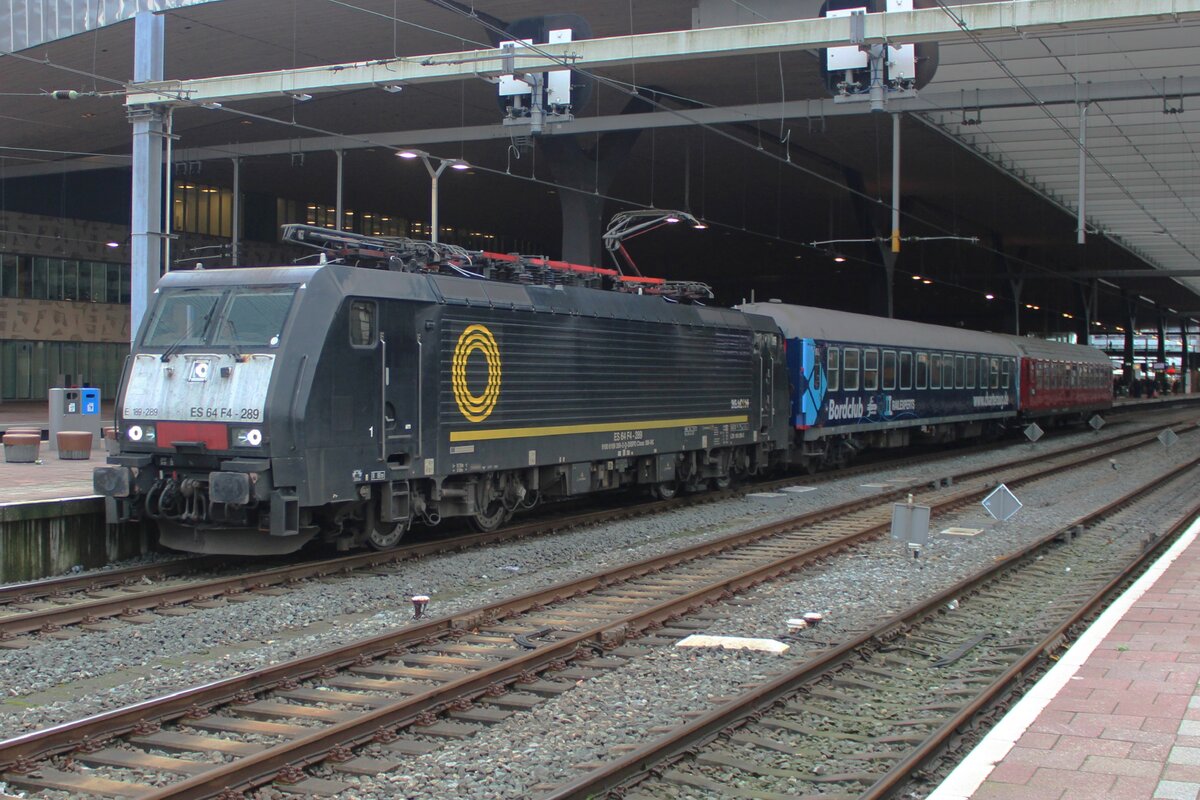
860 381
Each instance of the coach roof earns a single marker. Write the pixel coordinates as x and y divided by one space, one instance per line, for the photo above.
806 322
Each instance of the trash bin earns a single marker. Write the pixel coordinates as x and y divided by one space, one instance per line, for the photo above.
74 410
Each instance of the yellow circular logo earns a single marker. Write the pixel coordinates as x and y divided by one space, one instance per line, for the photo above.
474 407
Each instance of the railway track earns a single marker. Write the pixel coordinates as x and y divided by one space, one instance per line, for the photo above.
440 677
111 599
867 717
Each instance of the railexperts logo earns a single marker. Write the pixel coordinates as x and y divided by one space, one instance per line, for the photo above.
475 407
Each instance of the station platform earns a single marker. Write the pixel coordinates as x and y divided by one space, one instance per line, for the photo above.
52 479
1118 717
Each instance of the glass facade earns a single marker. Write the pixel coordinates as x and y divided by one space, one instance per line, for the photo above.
29 368
42 278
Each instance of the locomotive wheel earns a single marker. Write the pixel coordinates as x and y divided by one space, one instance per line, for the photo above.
489 520
722 483
665 490
386 538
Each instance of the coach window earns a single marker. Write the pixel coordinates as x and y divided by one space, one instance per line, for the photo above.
362 323
889 369
832 364
935 370
983 372
995 377
970 372
871 370
906 370
922 370
850 369
959 371
947 371
1004 372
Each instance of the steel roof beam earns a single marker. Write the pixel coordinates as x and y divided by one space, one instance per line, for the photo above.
929 102
1012 17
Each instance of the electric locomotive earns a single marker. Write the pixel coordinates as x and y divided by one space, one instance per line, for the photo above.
262 408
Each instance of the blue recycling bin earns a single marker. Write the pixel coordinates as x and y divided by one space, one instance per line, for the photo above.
89 401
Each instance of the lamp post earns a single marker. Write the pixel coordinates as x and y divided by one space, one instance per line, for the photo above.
434 174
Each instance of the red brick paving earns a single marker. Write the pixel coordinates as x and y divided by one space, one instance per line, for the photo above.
1126 725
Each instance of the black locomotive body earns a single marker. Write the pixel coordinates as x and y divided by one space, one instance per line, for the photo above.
264 407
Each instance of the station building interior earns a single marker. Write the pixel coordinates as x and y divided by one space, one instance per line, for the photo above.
1014 169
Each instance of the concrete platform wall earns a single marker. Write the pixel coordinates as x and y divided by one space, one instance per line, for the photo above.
47 538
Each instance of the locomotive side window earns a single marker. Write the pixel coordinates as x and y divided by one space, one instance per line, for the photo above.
906 370
935 370
255 316
970 372
832 368
182 317
922 370
871 370
958 372
363 329
889 369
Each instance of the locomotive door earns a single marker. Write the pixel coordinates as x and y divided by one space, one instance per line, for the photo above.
766 347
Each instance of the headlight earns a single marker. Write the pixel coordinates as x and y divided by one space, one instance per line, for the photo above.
139 433
247 437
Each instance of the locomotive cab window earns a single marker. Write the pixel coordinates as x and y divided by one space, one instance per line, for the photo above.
255 316
832 368
906 370
182 317
889 369
970 372
871 370
850 369
363 327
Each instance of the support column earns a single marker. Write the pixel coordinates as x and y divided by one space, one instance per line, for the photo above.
146 226
1089 298
880 296
236 215
1161 357
1127 360
341 219
1185 374
1016 284
588 173
1081 232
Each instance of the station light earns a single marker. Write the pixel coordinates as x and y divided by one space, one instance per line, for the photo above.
839 258
989 296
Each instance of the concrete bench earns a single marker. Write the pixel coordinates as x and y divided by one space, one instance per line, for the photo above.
74 445
21 448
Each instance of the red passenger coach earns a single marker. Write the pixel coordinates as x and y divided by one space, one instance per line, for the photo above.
1061 382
